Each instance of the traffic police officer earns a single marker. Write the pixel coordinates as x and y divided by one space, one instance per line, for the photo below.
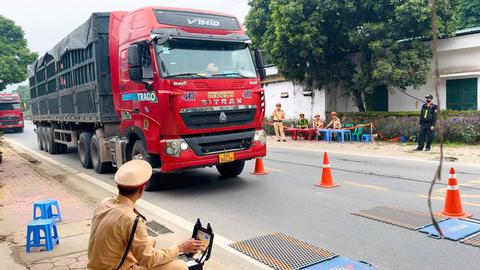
119 239
428 117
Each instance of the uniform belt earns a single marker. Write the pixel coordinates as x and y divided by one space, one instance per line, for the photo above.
277 121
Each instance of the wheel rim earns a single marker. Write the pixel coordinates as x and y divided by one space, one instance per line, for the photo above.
138 156
94 155
46 144
39 139
81 151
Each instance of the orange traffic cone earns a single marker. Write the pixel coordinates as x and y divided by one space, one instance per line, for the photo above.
327 180
259 169
453 202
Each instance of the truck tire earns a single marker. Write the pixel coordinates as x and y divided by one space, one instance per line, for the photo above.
139 152
98 165
19 130
44 139
39 138
53 147
63 148
231 169
84 141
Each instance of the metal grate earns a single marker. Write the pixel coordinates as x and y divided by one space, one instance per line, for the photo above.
405 218
282 252
472 241
155 228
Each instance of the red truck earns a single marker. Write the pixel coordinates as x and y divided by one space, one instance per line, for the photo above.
11 113
177 87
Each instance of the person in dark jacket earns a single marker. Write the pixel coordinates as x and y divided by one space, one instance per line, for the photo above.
428 117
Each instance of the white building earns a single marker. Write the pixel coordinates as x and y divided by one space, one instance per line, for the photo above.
459 66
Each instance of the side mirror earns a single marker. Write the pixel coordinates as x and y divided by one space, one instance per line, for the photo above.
260 64
140 68
135 70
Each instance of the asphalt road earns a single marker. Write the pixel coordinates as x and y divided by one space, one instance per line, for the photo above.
287 201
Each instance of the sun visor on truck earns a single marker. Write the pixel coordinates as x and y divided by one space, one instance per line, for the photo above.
196 20
80 38
164 34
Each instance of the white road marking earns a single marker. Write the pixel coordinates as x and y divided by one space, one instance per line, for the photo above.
441 198
366 186
220 240
273 169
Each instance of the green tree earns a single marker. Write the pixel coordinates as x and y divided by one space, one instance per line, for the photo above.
307 40
24 92
354 44
470 14
14 54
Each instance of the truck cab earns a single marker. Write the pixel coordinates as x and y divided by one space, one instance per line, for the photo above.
188 87
11 113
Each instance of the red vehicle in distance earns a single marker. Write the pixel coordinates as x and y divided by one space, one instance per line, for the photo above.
11 112
177 87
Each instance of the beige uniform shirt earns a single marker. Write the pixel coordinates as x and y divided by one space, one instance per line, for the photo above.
278 115
335 123
111 227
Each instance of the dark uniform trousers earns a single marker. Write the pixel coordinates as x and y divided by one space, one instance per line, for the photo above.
425 131
428 117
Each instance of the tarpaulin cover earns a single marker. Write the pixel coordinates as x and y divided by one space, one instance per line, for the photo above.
80 38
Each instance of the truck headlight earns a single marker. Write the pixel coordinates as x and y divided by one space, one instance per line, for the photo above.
260 136
175 147
20 122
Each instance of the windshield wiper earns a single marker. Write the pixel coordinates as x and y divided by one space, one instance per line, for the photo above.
229 73
185 74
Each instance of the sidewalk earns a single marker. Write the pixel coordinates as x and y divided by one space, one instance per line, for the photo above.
467 154
25 179
21 185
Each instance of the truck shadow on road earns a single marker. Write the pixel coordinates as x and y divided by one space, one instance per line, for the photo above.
201 182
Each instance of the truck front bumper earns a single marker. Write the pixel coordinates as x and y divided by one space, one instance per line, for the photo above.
189 159
11 126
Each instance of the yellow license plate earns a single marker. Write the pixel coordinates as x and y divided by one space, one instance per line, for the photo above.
226 157
226 94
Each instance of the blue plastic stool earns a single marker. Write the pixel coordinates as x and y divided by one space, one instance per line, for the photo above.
50 232
366 137
46 210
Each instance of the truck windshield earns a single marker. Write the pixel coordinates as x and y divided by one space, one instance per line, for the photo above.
9 106
200 59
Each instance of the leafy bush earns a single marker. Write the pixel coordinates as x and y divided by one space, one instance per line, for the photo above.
459 126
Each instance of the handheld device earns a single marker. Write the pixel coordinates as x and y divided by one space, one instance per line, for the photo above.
195 261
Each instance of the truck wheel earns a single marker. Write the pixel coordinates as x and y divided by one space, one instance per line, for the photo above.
19 130
39 138
139 152
98 165
53 147
84 142
231 169
63 148
45 139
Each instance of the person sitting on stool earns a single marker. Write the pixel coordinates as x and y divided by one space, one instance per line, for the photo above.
302 122
428 117
335 123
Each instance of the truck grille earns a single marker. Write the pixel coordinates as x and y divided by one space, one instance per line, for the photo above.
214 144
217 117
9 120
